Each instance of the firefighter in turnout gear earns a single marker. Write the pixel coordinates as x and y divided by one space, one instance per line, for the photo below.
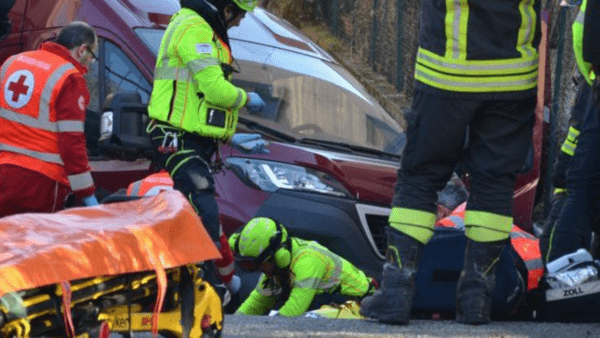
43 156
579 113
575 224
474 100
194 106
297 273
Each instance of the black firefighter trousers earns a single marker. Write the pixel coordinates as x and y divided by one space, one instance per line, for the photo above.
489 138
575 224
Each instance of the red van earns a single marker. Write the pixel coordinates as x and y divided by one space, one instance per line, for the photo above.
334 150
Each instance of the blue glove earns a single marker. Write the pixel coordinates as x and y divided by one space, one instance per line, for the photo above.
234 285
255 103
249 143
90 201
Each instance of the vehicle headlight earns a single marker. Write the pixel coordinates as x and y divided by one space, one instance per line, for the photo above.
270 176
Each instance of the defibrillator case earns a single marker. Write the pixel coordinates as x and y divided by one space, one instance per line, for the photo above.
574 304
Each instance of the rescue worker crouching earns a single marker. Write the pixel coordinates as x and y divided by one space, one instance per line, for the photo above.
300 274
194 106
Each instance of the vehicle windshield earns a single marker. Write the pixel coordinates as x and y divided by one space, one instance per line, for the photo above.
308 97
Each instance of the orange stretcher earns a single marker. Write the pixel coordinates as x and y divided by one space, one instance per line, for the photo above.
149 240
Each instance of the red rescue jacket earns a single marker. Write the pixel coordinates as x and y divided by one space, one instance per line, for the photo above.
42 113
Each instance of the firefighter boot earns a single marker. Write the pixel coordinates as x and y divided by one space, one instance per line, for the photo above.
392 302
477 282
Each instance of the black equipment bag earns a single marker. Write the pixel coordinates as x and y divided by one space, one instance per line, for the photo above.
440 268
575 304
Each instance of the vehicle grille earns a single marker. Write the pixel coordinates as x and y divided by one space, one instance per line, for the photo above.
377 224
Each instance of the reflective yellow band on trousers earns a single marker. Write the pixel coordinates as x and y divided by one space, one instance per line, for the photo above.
417 224
482 226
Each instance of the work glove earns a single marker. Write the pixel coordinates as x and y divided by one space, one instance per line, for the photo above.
249 143
90 201
234 284
255 103
234 291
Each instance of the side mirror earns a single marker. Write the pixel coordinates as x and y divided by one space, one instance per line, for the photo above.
123 128
4 29
5 26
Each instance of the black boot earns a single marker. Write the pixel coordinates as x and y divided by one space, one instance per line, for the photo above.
209 274
477 282
392 302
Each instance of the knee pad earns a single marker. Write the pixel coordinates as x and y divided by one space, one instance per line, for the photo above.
191 174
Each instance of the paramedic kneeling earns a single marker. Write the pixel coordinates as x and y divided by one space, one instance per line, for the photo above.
299 274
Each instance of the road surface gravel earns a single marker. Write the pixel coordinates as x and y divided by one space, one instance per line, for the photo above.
236 326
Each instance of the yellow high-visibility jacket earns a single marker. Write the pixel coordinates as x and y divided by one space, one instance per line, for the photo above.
190 90
584 67
314 270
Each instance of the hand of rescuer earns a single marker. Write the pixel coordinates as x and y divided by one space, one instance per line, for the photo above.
234 284
249 143
90 201
254 103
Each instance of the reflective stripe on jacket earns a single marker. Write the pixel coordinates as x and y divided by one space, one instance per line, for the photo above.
455 220
570 143
479 46
313 270
578 25
525 244
29 126
190 89
528 248
151 185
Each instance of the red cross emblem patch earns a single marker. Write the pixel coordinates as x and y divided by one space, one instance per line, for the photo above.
18 88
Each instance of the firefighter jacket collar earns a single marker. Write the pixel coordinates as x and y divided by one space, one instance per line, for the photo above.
212 17
64 53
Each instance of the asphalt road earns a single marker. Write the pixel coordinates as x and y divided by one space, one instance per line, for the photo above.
278 327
